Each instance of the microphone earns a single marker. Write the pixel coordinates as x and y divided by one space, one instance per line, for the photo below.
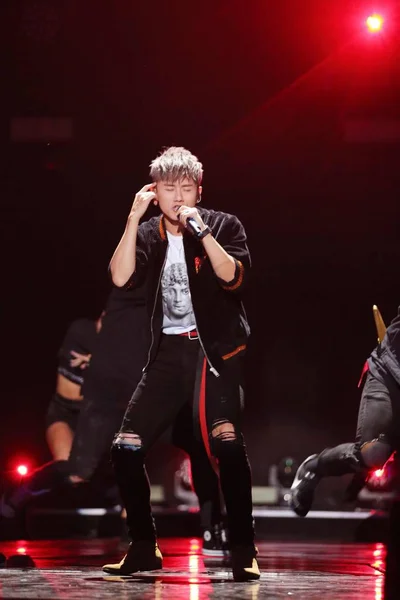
192 225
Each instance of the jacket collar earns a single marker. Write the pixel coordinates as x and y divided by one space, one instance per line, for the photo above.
161 229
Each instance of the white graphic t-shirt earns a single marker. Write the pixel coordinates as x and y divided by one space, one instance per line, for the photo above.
177 302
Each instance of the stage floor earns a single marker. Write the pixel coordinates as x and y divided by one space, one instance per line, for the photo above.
71 569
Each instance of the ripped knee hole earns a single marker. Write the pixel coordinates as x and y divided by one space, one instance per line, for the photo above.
224 431
128 439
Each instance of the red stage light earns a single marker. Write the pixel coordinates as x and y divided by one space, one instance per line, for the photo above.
22 470
374 23
379 473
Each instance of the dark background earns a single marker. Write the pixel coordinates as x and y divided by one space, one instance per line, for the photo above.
266 93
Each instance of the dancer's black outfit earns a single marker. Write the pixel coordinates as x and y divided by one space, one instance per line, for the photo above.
377 427
195 372
109 381
80 337
115 369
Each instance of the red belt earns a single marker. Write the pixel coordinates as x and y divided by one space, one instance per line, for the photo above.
192 335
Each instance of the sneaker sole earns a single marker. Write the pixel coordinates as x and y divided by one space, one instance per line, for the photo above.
215 553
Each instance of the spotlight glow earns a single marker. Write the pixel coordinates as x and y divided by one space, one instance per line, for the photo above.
22 470
374 23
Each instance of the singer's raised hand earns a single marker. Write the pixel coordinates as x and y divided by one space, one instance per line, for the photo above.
123 262
142 200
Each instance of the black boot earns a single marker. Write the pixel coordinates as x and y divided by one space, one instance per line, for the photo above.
141 556
244 563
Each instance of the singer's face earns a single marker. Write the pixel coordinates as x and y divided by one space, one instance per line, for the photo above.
173 194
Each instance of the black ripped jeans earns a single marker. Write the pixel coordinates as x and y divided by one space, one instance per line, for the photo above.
165 396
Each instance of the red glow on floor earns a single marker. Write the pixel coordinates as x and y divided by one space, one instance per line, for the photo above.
194 547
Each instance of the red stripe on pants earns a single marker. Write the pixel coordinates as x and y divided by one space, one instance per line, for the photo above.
203 417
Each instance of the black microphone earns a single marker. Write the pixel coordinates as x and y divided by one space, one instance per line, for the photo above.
192 225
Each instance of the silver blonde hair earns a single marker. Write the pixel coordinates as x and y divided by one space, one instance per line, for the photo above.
176 163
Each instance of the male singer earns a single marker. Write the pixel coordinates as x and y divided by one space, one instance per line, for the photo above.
194 263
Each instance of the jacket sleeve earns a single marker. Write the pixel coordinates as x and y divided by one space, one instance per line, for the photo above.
232 237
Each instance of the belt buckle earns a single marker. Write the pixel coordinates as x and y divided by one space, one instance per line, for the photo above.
193 335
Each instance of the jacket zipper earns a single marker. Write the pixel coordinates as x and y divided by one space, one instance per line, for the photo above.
212 369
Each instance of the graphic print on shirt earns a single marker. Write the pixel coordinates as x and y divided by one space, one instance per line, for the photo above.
177 302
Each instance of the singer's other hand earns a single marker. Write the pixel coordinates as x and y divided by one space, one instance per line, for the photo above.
142 200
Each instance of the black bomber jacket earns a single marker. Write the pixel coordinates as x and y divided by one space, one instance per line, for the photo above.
220 316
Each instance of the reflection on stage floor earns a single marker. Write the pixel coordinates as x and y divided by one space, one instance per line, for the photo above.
71 569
